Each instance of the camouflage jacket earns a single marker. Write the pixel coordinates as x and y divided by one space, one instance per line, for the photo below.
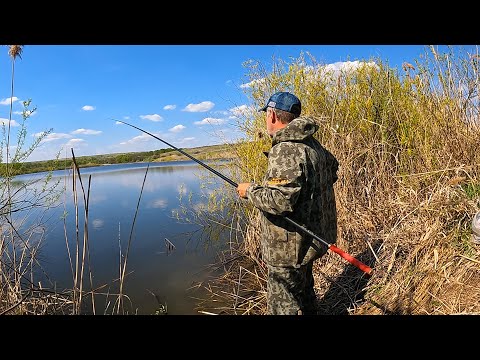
298 184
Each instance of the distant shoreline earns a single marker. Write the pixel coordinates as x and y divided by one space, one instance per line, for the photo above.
203 153
123 166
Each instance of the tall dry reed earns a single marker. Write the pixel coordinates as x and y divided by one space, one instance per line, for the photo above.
407 143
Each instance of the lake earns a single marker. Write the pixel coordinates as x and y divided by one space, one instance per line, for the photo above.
166 256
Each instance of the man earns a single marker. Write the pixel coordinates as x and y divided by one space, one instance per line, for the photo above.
298 184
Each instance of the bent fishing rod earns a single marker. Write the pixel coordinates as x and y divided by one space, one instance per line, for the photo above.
365 268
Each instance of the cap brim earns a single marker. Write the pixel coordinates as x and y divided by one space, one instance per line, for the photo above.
263 108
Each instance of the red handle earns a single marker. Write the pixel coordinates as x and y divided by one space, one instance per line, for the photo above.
351 259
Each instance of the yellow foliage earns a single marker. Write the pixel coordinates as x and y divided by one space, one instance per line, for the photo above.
398 135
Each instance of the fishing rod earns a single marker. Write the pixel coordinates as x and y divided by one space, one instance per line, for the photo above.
365 268
184 153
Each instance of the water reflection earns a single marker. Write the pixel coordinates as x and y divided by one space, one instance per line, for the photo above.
166 270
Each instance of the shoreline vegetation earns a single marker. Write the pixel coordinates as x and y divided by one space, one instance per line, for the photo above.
210 152
408 187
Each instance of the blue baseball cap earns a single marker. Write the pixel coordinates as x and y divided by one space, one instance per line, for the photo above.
284 101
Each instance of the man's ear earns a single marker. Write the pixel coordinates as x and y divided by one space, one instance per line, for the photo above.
274 116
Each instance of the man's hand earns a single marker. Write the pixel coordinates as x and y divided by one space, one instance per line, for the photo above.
242 189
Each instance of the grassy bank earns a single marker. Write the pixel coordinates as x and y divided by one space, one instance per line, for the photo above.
408 187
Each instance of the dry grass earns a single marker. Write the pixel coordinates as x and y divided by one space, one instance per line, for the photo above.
424 269
408 188
407 191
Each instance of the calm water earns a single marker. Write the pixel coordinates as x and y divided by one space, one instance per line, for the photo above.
114 195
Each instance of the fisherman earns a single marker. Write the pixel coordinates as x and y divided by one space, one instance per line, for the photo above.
298 184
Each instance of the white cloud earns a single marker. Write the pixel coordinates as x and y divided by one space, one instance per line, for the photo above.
319 71
332 71
188 141
28 113
137 139
210 121
177 128
75 142
221 112
169 107
201 107
347 66
159 203
98 223
4 121
7 101
153 117
86 132
258 82
241 110
54 136
88 108
118 123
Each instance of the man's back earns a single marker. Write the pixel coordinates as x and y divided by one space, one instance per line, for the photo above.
301 174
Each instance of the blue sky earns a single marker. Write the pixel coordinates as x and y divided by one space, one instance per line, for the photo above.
185 94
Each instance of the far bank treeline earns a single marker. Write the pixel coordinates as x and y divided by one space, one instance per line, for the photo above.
82 161
168 154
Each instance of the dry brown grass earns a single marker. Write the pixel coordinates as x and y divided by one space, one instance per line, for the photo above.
428 264
408 187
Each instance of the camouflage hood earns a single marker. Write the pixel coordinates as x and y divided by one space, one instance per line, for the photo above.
298 129
298 183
